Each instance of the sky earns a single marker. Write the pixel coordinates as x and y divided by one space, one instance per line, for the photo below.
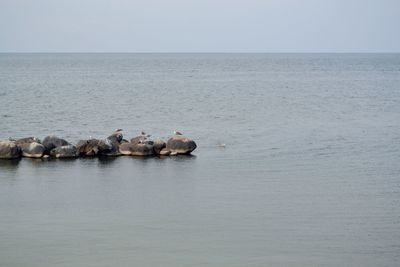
200 26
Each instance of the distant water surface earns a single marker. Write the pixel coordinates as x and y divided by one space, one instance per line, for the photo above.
297 161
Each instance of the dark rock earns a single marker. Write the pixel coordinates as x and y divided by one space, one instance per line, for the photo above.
108 148
68 151
158 146
88 147
180 144
51 142
9 150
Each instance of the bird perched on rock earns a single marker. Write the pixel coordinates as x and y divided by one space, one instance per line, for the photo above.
177 133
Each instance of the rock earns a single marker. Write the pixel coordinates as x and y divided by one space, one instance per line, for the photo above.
32 150
126 148
164 152
30 147
27 140
88 147
158 145
142 149
108 147
181 145
9 150
68 151
138 149
51 142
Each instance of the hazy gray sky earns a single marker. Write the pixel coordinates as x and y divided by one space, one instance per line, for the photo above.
199 26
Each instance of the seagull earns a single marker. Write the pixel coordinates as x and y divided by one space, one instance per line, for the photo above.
177 133
118 130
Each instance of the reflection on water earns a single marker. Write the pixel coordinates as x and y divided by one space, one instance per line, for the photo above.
9 165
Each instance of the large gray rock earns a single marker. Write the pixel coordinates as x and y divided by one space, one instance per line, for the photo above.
142 149
108 147
87 147
9 150
137 149
126 148
179 144
68 151
32 150
52 141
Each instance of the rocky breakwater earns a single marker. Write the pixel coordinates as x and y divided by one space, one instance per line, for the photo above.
113 145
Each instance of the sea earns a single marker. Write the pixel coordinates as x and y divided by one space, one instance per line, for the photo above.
298 160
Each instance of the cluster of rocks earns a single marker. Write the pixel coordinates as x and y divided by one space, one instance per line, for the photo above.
114 145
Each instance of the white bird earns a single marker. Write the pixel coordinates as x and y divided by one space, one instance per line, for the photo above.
177 133
118 130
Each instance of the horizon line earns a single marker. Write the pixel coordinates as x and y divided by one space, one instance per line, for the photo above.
194 52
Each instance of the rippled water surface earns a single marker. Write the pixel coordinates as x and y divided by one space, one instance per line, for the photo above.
308 175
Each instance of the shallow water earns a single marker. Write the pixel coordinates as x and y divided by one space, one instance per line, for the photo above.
309 174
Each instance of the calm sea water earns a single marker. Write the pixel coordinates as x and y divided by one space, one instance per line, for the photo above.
309 175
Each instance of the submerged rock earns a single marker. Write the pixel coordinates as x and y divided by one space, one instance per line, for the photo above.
179 144
9 150
68 151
